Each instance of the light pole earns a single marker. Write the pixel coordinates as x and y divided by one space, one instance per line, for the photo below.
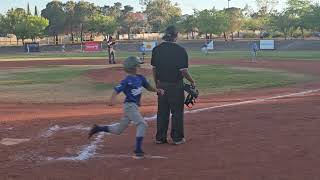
229 4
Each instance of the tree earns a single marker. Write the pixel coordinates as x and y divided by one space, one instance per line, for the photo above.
189 25
24 26
127 20
283 22
57 18
114 10
14 18
174 20
235 17
105 25
260 20
35 11
132 22
70 18
212 22
252 24
299 9
31 27
262 16
159 12
247 11
266 6
28 10
204 19
82 12
36 26
222 23
3 26
144 2
126 10
312 18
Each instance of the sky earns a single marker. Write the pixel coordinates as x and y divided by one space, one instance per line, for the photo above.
187 6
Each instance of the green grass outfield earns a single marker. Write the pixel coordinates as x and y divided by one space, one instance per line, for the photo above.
62 56
70 84
215 79
44 75
270 55
215 55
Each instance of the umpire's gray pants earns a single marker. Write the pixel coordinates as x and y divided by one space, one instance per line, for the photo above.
131 113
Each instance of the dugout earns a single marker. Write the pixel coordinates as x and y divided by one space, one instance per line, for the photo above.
31 47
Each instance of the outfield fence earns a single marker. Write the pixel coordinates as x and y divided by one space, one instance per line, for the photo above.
193 45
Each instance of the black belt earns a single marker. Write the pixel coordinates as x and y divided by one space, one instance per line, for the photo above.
171 83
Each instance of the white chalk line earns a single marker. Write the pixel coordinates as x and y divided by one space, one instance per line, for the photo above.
254 101
126 156
57 128
86 153
89 151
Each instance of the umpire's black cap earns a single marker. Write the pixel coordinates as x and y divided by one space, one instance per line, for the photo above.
170 33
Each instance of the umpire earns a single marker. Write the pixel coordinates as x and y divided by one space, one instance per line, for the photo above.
170 66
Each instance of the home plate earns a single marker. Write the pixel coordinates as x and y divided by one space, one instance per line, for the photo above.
12 141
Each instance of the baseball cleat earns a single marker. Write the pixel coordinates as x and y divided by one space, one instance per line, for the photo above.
179 142
138 154
95 129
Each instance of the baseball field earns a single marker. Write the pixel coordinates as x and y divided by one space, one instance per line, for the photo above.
253 120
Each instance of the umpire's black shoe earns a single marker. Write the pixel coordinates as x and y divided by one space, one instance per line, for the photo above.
161 141
95 129
138 154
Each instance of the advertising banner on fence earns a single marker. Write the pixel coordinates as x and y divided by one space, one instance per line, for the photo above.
148 46
267 44
91 46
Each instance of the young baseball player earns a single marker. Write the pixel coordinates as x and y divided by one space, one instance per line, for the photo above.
142 49
132 87
253 49
111 44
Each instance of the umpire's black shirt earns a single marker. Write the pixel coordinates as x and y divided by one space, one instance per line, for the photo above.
169 58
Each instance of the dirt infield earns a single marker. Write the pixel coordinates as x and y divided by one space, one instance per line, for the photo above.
275 138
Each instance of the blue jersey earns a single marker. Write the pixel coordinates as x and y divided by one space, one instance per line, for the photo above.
142 48
132 87
254 47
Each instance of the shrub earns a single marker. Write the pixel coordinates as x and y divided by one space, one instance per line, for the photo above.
266 35
296 34
308 34
250 35
277 35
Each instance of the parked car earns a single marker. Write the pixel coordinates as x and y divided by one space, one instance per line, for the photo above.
317 34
